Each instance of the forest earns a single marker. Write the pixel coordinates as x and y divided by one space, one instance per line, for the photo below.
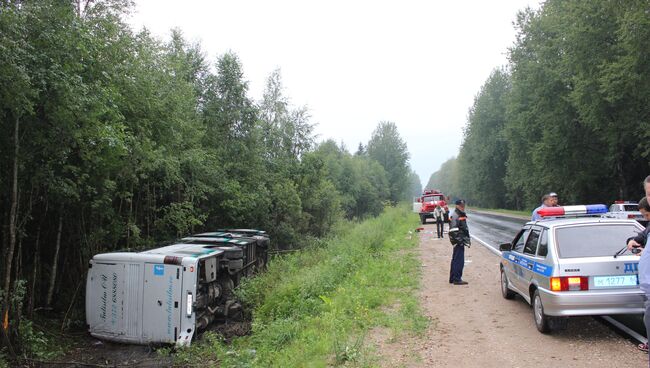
569 113
117 140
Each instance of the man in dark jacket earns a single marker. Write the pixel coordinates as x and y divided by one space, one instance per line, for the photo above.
641 239
459 237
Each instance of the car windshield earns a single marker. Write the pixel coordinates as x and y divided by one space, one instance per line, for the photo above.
433 198
594 240
631 207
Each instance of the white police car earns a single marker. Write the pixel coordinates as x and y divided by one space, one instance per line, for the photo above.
570 265
625 210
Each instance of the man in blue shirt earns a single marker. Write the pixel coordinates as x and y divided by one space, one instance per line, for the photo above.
644 263
546 202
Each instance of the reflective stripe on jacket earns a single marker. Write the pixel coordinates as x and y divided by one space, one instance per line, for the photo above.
458 230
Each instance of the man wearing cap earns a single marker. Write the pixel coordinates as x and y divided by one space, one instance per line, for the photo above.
554 201
546 202
459 237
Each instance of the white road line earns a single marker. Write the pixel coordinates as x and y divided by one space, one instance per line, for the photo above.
486 245
625 329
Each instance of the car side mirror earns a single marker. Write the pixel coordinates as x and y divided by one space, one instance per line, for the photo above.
505 246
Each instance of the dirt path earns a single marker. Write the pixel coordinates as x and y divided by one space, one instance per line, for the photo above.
474 326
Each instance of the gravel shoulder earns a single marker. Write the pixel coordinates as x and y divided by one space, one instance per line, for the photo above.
474 326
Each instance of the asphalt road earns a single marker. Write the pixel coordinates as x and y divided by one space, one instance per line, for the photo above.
493 230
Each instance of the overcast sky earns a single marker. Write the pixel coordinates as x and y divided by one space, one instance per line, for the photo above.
418 64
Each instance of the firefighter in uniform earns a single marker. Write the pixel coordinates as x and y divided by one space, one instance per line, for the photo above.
439 216
459 237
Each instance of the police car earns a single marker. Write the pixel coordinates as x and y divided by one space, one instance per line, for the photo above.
569 264
625 210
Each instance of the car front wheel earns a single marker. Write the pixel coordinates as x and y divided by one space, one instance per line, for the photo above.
505 291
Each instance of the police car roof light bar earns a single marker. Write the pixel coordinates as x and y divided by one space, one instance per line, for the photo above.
581 210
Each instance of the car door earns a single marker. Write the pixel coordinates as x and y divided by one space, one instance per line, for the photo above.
529 257
516 274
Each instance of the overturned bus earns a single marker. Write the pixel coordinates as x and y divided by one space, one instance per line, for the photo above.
167 295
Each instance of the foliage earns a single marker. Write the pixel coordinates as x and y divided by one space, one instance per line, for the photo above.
446 179
482 158
415 185
569 114
37 345
128 141
315 307
389 149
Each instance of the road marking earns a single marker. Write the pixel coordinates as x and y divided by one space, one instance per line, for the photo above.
486 245
625 329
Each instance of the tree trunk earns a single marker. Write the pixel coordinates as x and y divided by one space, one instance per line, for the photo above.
12 238
50 291
18 267
32 299
12 219
621 178
34 278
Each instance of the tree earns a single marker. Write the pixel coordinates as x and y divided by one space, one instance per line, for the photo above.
16 101
415 185
484 151
446 179
567 107
117 140
387 147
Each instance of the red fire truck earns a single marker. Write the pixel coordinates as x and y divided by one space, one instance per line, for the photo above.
429 200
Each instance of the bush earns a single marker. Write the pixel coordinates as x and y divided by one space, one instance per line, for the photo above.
315 307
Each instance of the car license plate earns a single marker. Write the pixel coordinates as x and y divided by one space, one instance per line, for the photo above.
614 281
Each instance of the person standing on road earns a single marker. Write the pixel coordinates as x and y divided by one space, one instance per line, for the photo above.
459 237
546 202
439 216
641 239
644 264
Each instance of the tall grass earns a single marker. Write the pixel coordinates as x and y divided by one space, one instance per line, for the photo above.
315 308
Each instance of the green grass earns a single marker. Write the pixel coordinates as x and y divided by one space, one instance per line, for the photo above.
315 308
505 212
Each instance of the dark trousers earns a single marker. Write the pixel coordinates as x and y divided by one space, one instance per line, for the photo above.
440 225
457 263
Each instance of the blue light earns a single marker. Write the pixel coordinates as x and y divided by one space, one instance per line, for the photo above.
594 209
